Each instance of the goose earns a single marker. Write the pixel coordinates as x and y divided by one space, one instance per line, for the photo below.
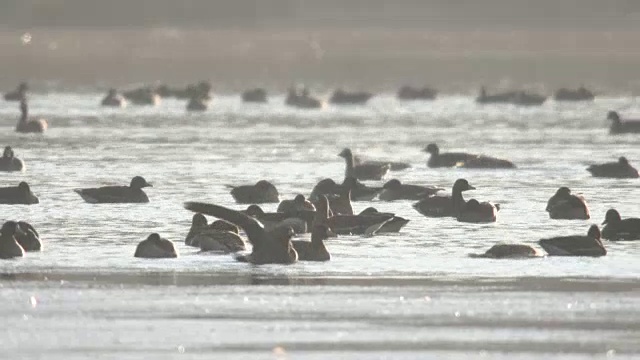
576 245
117 194
341 97
299 203
25 125
362 172
509 251
220 236
262 192
9 246
564 205
315 250
269 247
155 247
395 190
113 99
28 237
465 160
9 162
20 194
617 228
619 126
257 95
619 170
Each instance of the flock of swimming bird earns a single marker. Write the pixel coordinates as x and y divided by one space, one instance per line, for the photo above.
328 211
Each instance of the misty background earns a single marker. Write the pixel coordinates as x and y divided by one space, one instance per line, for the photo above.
454 45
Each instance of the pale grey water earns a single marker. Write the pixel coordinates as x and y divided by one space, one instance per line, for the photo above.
192 156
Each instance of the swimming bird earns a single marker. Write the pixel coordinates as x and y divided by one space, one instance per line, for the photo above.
411 93
20 194
471 211
564 205
143 96
197 104
299 203
391 225
315 250
28 237
619 126
579 94
18 94
269 247
509 251
25 125
257 95
619 170
117 194
577 245
220 236
9 246
499 98
155 247
299 221
393 165
465 160
9 162
362 172
617 228
113 99
260 193
395 190
302 99
455 205
341 97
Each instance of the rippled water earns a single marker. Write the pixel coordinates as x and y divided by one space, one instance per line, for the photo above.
192 156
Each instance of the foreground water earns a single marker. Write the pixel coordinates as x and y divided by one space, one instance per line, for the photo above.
410 295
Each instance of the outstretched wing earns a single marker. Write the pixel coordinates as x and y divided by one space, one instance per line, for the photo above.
253 228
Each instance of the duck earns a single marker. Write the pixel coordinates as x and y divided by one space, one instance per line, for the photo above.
302 100
579 94
564 205
113 99
25 125
221 236
9 162
155 247
315 250
617 228
28 237
411 93
143 96
393 165
269 247
523 98
619 126
365 171
261 193
341 97
117 194
509 251
395 190
618 170
9 246
18 94
298 221
20 194
392 225
299 203
257 95
464 160
197 104
576 245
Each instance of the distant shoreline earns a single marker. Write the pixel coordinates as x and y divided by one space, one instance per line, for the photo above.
375 59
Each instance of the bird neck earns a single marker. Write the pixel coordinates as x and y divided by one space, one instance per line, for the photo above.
458 201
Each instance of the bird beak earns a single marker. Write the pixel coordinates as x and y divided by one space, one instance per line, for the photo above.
148 185
471 188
